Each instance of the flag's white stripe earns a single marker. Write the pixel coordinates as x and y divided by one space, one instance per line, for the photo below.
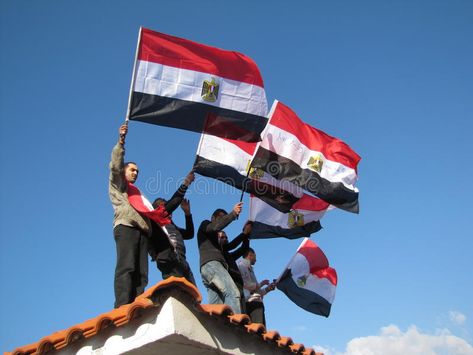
288 145
162 80
264 213
300 270
221 151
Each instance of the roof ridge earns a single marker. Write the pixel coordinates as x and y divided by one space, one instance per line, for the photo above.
124 314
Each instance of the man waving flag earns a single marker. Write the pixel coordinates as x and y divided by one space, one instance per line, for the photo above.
183 84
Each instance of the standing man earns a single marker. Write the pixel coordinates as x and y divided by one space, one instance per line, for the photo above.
213 260
253 290
130 229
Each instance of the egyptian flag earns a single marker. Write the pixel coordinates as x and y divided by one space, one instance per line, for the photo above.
300 222
188 85
308 280
229 161
141 204
294 151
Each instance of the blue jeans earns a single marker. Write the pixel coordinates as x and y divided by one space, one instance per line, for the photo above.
220 285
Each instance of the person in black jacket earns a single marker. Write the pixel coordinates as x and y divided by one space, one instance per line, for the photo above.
216 263
167 246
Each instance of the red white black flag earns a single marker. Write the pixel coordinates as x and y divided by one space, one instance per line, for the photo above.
294 151
300 222
229 161
308 280
183 84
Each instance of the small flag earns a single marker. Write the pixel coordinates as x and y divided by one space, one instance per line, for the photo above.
183 84
308 280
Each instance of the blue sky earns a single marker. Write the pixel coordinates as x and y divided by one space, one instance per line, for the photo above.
394 79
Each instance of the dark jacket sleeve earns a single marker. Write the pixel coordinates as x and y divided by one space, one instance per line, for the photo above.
245 244
188 232
220 223
176 199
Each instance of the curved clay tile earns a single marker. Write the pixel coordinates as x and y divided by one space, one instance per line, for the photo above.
173 281
297 348
136 308
285 342
241 319
311 352
271 335
255 328
216 309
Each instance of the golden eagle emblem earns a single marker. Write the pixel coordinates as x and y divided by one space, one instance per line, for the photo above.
254 173
210 90
316 163
295 219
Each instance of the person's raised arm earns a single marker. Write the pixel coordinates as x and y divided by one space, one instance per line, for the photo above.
178 196
188 232
222 222
118 154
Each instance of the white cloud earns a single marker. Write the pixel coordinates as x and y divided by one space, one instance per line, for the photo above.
393 341
457 317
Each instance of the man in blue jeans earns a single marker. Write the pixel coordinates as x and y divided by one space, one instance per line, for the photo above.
213 257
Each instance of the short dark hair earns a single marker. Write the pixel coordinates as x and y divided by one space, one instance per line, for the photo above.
128 163
158 201
248 251
217 211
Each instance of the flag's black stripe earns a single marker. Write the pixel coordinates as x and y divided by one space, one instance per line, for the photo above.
308 300
192 116
262 231
282 168
229 175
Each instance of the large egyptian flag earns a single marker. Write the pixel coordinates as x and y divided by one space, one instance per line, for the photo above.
229 161
294 151
300 222
183 84
308 280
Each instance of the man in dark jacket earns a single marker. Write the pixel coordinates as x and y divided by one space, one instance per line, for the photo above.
166 245
215 260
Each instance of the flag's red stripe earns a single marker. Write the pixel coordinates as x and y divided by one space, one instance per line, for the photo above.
310 203
332 148
181 53
314 255
327 273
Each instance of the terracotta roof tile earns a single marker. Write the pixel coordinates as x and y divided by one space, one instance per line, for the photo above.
271 335
285 342
216 309
241 319
255 328
297 348
124 314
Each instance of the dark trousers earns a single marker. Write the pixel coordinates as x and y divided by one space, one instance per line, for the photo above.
131 271
175 266
255 311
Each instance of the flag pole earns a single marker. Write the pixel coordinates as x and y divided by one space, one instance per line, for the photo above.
127 117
